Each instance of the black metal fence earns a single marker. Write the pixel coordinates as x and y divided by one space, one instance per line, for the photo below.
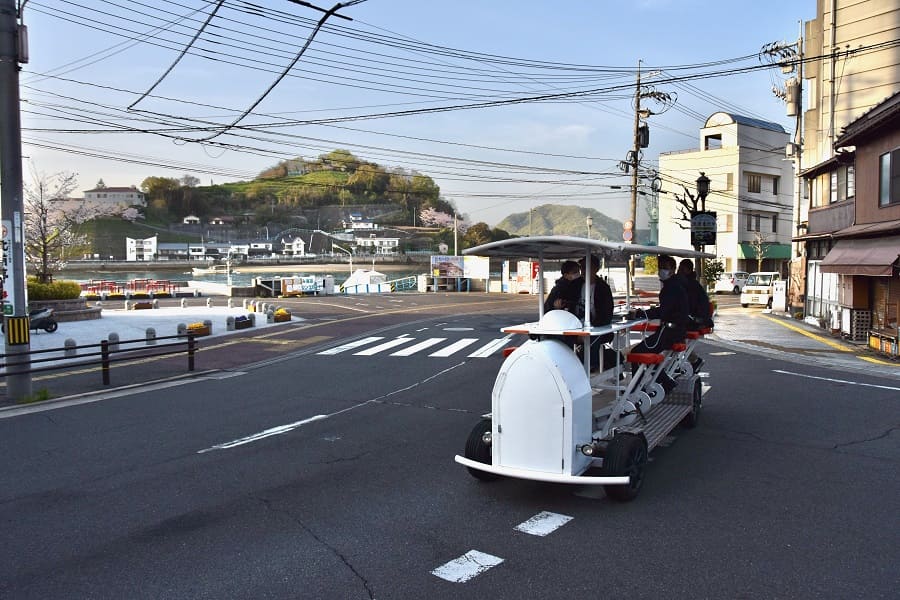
104 354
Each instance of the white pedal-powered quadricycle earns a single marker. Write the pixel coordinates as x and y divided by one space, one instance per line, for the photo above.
550 419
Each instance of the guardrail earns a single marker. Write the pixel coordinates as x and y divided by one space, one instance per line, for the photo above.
104 354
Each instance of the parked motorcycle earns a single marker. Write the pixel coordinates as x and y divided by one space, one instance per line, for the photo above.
40 318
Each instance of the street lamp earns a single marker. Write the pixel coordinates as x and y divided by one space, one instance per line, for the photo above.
702 192
702 189
590 223
349 254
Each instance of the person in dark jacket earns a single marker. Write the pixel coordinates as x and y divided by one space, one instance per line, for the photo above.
564 295
698 303
601 311
698 299
673 313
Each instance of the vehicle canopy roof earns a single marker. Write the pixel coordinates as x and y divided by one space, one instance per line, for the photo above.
554 247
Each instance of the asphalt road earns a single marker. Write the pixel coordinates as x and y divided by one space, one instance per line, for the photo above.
325 471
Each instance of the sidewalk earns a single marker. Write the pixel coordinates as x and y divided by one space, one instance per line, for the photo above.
782 336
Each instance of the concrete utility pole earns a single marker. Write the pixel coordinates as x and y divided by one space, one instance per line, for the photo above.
18 344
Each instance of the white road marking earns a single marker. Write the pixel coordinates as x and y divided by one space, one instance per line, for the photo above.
491 347
721 353
459 328
881 387
263 434
420 346
291 426
467 566
543 523
351 345
454 347
382 347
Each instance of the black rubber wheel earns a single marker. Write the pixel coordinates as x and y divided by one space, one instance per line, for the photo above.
745 305
478 451
769 304
51 327
626 455
693 418
736 291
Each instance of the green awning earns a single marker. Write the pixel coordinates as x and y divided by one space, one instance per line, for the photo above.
747 250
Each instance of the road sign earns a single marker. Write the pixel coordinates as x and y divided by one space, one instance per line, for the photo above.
6 269
629 225
627 235
703 229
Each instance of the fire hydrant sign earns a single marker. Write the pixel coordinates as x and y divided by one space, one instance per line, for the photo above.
8 290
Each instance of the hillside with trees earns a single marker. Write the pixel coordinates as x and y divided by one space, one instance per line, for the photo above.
555 219
297 191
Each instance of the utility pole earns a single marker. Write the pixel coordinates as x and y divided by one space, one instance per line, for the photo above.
18 343
635 154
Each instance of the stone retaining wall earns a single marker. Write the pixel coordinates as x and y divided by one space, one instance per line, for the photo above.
68 310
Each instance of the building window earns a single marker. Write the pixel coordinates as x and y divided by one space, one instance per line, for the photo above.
754 183
752 222
889 178
775 223
775 181
713 142
729 181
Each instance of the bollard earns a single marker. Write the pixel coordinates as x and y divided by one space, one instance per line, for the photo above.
196 293
69 345
104 360
244 303
114 342
208 323
192 346
183 302
230 302
181 330
252 319
127 305
151 336
155 303
270 316
209 303
229 324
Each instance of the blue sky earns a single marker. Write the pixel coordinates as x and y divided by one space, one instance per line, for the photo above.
90 60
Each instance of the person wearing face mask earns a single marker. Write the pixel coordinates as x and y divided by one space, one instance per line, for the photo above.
673 313
564 295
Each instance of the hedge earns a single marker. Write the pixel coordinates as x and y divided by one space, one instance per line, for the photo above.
58 290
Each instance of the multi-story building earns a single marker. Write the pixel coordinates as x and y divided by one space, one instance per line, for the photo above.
750 192
121 196
141 250
850 68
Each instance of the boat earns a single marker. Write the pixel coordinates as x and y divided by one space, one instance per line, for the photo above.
213 270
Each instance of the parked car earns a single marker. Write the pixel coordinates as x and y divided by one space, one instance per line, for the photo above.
731 282
759 288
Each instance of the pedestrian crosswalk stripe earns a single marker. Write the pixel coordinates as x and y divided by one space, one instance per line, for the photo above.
382 347
420 346
490 347
351 345
454 347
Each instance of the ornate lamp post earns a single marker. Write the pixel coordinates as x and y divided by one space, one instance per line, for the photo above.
702 192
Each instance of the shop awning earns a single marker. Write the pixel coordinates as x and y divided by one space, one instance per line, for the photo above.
748 250
876 257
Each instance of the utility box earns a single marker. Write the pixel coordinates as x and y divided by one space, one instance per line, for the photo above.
328 285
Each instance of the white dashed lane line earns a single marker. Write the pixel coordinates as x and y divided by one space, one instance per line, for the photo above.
543 523
467 566
474 562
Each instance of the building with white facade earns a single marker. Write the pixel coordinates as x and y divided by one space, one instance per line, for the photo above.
140 250
121 196
750 191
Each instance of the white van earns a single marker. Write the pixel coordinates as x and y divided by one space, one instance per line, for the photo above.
759 288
